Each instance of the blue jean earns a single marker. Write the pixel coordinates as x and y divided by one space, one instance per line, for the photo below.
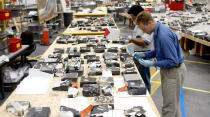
144 72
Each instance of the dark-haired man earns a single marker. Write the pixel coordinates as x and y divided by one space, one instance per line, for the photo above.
170 59
142 42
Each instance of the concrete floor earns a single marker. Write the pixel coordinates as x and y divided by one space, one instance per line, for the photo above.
198 80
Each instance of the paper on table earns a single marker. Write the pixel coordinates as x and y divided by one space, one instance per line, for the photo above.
114 34
115 113
118 83
36 83
127 103
38 73
107 74
78 103
114 45
72 29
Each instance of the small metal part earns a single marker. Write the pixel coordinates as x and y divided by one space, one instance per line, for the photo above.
125 56
71 77
131 77
38 112
107 90
99 49
114 70
91 44
74 54
109 56
68 112
112 63
90 90
61 86
128 63
72 92
89 54
113 49
59 50
136 87
106 81
136 111
17 107
93 59
100 110
56 55
131 70
87 80
49 68
62 41
104 99
84 49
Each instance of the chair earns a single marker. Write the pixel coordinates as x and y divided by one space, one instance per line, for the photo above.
28 39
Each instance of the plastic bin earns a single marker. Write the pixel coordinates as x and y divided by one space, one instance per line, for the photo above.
67 18
5 14
175 6
14 44
148 10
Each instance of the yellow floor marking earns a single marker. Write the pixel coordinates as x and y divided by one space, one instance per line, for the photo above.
155 86
188 88
34 58
153 75
204 91
197 62
152 71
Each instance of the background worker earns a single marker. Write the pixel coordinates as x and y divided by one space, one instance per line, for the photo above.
170 59
142 42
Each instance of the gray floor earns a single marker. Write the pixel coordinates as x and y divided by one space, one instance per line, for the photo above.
197 103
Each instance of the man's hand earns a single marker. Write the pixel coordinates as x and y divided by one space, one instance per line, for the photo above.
130 38
147 63
130 41
138 54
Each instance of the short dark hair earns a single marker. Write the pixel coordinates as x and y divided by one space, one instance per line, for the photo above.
135 10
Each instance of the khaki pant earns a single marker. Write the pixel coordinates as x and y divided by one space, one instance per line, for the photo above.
172 80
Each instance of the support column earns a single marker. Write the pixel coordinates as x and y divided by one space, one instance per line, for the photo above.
185 43
201 50
195 47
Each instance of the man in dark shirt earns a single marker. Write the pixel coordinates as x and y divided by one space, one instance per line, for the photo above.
170 59
141 42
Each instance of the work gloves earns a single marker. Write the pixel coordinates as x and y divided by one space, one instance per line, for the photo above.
146 63
138 55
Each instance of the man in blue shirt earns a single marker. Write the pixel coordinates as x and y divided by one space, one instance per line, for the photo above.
170 59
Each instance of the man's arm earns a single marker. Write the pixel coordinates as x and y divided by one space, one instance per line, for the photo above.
138 42
150 54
